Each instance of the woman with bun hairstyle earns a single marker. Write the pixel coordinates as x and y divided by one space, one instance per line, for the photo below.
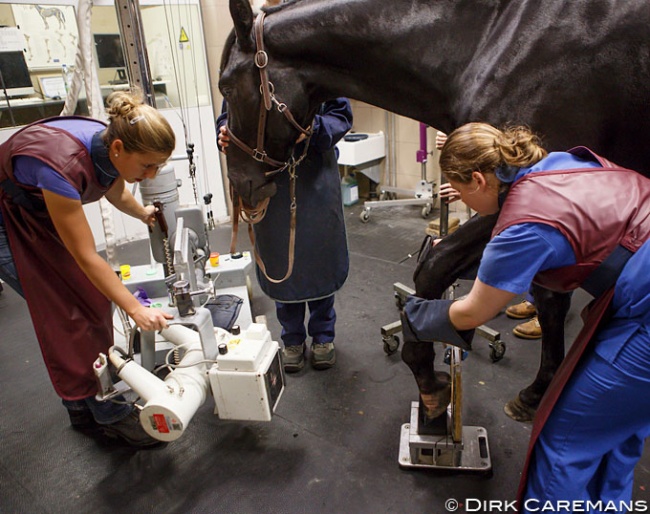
48 171
566 220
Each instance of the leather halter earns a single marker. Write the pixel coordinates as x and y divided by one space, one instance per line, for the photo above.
255 215
268 95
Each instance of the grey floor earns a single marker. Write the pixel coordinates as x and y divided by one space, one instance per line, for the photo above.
332 446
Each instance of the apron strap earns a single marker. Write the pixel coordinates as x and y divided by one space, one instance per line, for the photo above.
607 273
21 197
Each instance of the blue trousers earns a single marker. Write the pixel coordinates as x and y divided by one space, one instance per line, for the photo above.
594 437
104 413
322 319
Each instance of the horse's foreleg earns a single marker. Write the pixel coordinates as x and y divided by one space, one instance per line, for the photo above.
552 309
438 268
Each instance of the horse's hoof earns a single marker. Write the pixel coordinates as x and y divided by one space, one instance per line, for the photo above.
435 404
518 411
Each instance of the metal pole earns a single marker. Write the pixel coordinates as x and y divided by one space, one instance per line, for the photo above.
134 47
444 217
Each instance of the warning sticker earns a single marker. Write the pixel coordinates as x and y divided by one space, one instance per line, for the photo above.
183 37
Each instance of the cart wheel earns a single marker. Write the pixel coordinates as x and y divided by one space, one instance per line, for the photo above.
384 196
391 344
399 301
365 216
426 210
497 350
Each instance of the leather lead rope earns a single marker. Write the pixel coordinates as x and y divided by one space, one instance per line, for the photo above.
292 232
253 217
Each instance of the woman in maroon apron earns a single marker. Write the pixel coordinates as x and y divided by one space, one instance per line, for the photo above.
48 170
566 220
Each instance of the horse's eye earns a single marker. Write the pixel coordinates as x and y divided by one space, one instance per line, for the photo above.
226 91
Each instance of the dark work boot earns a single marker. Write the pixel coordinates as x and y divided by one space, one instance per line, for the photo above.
131 432
82 419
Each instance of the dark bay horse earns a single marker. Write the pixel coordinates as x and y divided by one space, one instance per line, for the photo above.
576 72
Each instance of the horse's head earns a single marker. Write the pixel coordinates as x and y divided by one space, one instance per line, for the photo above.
268 108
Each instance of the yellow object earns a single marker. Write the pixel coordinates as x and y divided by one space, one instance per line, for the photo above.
214 259
433 229
125 271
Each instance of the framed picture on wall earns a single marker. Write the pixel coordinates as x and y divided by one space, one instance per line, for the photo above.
52 86
50 34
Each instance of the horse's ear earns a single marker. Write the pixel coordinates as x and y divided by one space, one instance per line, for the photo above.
242 16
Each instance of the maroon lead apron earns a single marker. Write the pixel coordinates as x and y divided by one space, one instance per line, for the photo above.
72 319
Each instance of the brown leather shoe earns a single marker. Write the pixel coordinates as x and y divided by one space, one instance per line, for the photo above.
521 310
528 330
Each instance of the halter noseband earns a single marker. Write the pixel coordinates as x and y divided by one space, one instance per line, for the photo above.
268 95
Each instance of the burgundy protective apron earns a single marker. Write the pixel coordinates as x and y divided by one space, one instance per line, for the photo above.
597 210
72 319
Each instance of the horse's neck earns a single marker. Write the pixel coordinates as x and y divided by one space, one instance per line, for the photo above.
383 52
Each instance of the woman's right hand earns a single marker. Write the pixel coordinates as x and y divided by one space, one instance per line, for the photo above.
441 138
149 318
222 139
448 192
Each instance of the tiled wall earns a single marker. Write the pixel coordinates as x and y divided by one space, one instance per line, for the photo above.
217 25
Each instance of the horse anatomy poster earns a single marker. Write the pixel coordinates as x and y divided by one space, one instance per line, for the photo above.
50 34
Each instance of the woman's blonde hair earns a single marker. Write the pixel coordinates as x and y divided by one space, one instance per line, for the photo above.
138 125
482 147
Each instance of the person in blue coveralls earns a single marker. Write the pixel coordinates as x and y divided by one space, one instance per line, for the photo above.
567 219
321 254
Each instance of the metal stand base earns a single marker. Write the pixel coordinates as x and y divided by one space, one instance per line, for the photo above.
470 454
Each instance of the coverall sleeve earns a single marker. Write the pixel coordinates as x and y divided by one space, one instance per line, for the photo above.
223 117
331 124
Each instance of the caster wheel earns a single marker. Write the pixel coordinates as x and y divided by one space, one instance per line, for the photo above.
399 302
497 350
391 344
365 216
426 210
384 196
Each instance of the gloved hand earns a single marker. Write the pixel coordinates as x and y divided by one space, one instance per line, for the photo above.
428 321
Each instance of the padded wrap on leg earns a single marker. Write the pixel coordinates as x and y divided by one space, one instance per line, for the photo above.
428 321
